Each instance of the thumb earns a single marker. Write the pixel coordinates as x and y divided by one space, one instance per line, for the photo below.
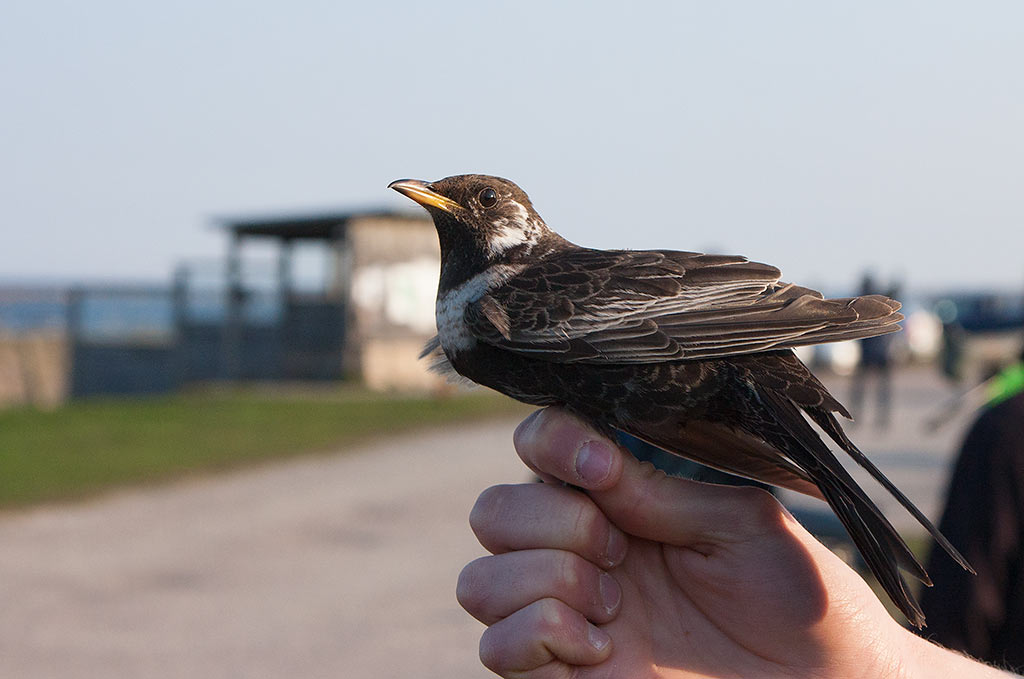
636 496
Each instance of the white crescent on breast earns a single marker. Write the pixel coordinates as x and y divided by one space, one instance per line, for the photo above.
450 310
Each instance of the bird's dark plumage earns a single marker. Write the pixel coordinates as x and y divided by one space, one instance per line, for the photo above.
687 351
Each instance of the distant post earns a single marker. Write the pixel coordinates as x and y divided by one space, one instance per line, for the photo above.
285 331
232 341
179 312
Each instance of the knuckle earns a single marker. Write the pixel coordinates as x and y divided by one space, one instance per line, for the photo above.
590 529
567 569
549 618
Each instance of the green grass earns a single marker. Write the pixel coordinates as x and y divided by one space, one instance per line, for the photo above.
87 447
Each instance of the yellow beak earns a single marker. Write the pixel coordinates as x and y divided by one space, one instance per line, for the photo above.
421 193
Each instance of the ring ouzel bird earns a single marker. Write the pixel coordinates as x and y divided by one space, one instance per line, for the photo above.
690 352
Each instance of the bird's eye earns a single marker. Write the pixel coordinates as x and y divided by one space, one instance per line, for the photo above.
488 197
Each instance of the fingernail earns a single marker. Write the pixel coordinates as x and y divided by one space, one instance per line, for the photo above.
597 637
615 550
594 462
611 593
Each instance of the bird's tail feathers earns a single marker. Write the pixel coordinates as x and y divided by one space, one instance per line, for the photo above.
868 531
831 427
878 541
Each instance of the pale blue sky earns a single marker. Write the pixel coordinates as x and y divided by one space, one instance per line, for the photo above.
819 136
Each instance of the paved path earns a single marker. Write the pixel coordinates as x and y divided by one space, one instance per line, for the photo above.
330 566
334 566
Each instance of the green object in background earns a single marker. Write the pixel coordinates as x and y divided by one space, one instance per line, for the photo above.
1006 384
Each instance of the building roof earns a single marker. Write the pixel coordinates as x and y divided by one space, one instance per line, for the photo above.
326 225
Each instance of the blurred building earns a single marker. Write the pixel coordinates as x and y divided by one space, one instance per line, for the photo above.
242 319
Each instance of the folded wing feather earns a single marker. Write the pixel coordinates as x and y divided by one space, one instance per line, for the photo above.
598 306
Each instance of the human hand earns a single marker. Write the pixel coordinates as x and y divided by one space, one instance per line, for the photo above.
645 575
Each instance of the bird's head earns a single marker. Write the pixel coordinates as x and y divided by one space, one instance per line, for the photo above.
479 219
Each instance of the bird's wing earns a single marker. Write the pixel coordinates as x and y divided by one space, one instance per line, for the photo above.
600 306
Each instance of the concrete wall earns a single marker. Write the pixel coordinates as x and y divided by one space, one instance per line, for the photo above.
392 365
393 266
33 368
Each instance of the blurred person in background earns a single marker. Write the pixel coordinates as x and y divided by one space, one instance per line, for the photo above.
876 361
983 615
954 341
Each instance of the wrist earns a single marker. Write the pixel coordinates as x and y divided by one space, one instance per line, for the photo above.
924 659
